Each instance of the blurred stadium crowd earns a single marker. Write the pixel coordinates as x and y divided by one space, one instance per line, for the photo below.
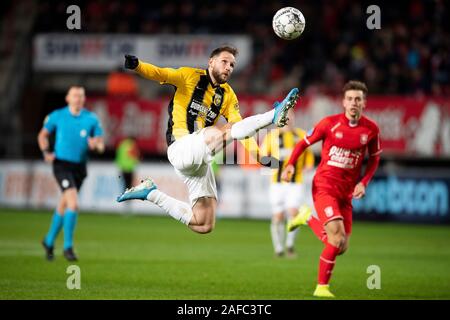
410 55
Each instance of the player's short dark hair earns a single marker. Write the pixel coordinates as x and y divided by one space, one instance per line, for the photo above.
75 86
355 85
233 50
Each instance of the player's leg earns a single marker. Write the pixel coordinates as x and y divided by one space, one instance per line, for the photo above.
336 243
305 216
76 177
294 198
321 201
204 215
202 190
56 225
291 235
60 173
199 218
70 221
180 153
127 179
329 213
346 211
276 197
148 190
336 233
190 158
218 138
327 261
277 233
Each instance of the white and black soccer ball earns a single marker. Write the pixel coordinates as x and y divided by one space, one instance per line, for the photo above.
288 23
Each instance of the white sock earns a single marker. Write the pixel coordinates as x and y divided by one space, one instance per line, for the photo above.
249 126
277 232
290 238
179 210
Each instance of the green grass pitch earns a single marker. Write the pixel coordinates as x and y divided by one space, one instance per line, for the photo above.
137 257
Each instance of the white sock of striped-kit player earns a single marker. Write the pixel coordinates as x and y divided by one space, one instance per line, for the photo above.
277 232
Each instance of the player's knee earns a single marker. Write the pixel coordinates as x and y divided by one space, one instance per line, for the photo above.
60 209
214 135
277 218
337 240
72 204
344 247
206 228
226 128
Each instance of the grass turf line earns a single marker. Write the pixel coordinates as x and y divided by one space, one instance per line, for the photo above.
142 257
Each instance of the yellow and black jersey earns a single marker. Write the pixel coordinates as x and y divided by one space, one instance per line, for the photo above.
197 103
279 144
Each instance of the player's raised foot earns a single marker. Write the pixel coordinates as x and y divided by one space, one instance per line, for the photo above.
323 291
70 255
48 251
300 219
139 192
281 109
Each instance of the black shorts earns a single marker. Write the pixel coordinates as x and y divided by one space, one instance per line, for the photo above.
69 174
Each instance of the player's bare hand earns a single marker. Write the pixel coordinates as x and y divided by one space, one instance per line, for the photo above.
92 143
360 191
49 157
287 173
131 62
96 144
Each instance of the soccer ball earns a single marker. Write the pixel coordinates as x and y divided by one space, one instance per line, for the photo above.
288 23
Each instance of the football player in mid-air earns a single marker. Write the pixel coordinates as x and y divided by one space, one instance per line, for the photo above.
345 139
201 96
77 131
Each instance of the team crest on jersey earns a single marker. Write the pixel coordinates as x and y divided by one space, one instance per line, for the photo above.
363 138
339 135
217 99
83 133
329 211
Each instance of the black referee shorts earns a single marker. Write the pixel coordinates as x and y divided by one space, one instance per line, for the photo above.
69 174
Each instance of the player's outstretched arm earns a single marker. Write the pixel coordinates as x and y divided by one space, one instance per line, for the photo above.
313 136
152 72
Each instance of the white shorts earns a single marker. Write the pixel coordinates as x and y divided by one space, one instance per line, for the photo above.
285 196
191 158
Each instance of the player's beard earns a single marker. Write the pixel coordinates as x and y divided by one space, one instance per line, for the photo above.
220 78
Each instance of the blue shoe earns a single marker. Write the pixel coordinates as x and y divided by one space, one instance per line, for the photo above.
281 109
139 192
